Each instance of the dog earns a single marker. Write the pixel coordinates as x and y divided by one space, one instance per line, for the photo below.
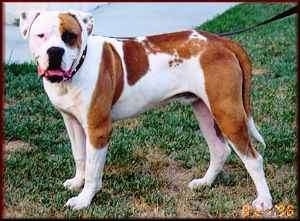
94 80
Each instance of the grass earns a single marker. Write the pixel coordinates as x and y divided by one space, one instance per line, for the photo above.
153 157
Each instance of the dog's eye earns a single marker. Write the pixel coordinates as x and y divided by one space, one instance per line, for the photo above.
41 35
69 37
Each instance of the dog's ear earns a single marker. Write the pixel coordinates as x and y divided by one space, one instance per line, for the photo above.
26 20
86 19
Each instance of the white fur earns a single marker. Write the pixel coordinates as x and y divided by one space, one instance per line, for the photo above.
196 35
48 25
218 149
95 160
77 138
160 83
255 169
254 132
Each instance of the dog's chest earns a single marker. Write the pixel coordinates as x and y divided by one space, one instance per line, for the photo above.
66 98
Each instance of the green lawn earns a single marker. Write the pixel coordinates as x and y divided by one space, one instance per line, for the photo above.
153 157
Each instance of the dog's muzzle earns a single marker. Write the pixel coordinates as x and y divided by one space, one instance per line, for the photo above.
54 72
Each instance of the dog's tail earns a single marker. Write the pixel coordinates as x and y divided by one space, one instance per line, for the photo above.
246 67
254 132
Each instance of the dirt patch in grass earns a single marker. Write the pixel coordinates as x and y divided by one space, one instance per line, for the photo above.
231 193
259 71
6 105
176 178
142 209
161 166
12 213
21 208
115 169
131 123
25 208
173 178
19 211
9 103
16 146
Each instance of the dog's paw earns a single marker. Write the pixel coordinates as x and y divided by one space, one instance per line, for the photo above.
74 184
78 202
262 203
198 182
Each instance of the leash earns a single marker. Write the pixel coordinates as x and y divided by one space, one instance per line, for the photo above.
290 11
119 38
284 14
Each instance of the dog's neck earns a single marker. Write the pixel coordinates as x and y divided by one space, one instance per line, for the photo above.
78 65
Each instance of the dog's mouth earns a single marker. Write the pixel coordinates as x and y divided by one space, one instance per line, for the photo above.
54 75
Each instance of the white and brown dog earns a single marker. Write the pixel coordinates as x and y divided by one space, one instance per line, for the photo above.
95 80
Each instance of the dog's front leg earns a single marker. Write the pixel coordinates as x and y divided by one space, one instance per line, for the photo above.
77 138
95 160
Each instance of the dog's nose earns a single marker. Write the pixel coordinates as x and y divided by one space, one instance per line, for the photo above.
55 57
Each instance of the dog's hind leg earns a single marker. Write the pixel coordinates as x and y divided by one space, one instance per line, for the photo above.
218 148
254 166
228 99
233 124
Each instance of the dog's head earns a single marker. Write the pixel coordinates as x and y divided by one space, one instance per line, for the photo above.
56 40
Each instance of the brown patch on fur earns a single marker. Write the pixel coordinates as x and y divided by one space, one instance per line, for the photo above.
244 62
169 42
117 75
70 24
136 60
107 91
174 43
224 87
